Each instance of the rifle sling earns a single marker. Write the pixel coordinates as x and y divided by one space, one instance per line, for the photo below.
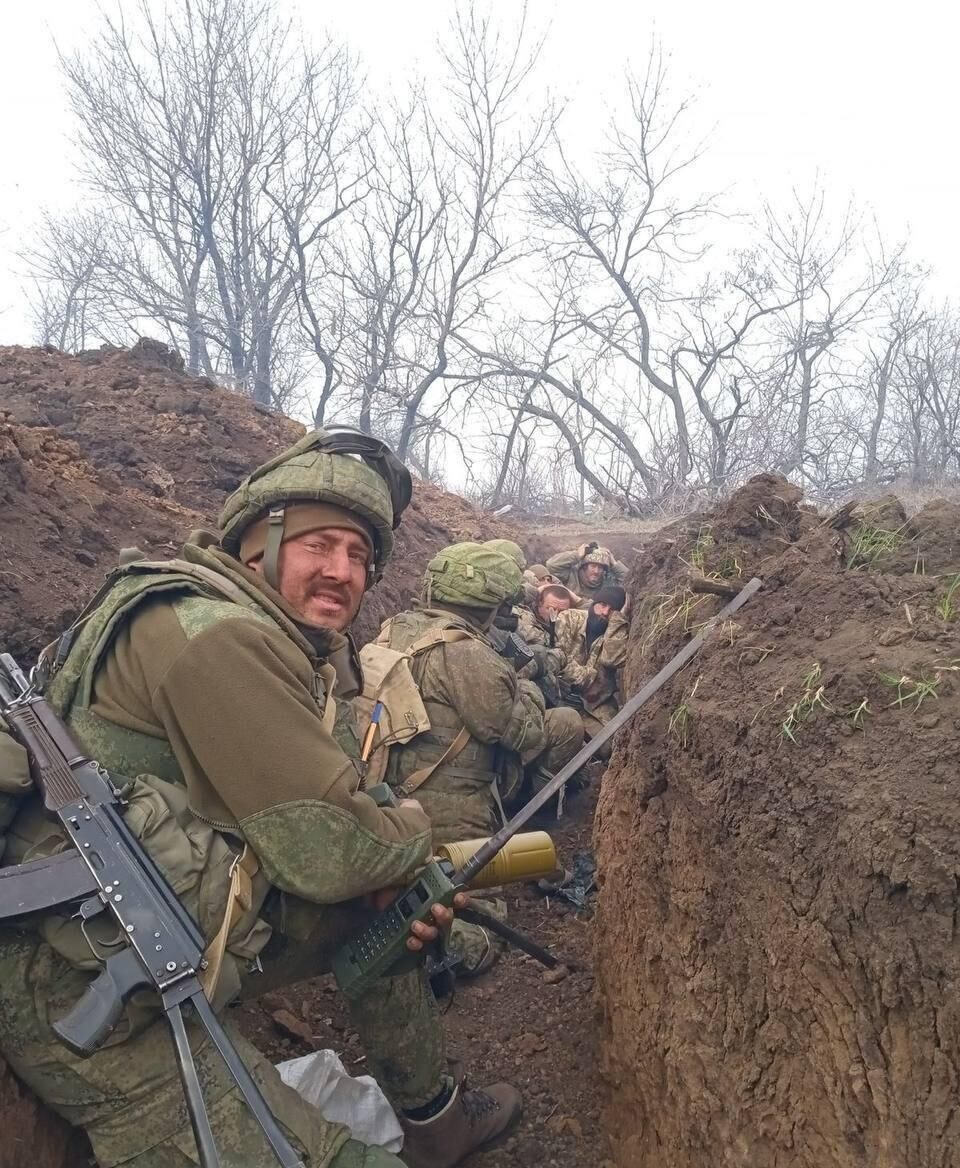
239 901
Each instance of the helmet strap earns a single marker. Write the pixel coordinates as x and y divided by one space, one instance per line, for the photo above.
271 548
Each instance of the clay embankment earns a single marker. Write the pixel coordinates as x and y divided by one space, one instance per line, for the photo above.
779 838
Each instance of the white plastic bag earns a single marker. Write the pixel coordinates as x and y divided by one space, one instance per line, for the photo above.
322 1079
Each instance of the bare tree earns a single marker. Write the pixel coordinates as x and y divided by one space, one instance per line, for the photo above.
214 143
839 283
477 159
67 267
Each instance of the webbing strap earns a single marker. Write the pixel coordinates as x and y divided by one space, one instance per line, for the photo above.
418 778
328 675
271 547
421 645
438 637
239 901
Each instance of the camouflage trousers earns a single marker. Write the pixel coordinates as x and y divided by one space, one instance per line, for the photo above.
564 734
128 1095
564 737
479 947
594 721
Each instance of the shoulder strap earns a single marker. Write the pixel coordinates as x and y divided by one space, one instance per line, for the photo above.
53 656
200 572
418 778
430 640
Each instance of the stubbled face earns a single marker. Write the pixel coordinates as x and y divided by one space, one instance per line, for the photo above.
323 575
551 607
592 574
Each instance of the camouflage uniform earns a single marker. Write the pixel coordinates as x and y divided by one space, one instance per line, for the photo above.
197 678
540 636
594 673
465 684
566 567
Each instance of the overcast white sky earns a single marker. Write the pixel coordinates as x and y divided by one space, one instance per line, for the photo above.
865 94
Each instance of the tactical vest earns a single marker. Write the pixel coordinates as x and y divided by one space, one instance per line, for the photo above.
460 796
200 857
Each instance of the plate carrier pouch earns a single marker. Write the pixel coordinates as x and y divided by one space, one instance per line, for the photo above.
389 682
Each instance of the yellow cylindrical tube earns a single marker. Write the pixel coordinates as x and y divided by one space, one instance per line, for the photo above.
528 856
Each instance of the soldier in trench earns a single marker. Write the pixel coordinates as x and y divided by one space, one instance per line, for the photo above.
217 685
593 643
489 730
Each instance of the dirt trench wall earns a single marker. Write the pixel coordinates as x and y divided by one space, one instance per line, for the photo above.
779 842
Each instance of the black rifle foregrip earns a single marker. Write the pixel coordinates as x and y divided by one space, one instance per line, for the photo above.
92 1020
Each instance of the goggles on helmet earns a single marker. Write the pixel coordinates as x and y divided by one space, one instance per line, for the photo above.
339 439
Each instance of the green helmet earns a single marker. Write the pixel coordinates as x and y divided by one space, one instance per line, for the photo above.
336 465
474 575
508 548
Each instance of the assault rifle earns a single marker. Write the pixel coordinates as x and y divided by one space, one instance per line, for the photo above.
379 946
109 872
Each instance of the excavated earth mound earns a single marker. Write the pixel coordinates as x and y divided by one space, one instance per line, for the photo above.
113 448
779 838
116 447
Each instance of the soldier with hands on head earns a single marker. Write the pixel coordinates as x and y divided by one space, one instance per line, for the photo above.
217 684
588 569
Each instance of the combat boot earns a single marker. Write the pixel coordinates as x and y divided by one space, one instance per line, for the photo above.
472 1119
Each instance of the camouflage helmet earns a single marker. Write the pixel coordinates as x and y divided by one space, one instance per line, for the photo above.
474 575
336 465
598 555
508 548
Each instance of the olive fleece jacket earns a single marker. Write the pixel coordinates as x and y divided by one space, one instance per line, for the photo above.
234 696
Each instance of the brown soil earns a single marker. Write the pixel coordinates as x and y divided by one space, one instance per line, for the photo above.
776 939
547 537
116 447
112 448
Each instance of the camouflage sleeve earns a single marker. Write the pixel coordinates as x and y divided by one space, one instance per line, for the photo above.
614 651
526 733
621 572
562 563
576 674
571 670
238 708
494 704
